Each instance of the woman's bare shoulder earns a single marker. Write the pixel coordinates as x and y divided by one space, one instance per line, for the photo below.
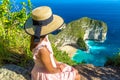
43 50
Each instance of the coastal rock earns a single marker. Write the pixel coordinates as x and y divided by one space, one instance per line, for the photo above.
94 29
90 72
87 72
14 72
76 32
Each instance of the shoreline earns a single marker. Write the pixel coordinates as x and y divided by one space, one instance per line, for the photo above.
69 49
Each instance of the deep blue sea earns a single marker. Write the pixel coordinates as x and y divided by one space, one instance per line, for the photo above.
104 10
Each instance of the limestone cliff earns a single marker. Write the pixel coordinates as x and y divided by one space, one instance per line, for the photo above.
94 29
76 32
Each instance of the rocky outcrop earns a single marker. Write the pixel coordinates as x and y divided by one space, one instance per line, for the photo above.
76 32
87 72
14 72
90 72
94 29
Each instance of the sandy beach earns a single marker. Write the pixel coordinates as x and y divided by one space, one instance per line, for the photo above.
69 49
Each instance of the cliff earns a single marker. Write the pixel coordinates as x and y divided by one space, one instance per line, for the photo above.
76 32
94 29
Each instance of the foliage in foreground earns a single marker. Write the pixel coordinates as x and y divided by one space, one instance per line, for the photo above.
62 56
14 42
114 61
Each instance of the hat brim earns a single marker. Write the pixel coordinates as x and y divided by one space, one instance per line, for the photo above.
56 23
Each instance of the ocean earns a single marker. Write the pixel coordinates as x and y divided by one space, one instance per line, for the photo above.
107 11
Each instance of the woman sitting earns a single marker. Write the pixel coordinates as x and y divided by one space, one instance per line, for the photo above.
46 66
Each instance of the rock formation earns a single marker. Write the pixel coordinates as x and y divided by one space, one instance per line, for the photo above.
14 72
87 72
94 29
76 32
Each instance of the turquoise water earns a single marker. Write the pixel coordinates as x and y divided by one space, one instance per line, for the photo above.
98 52
93 56
88 58
104 10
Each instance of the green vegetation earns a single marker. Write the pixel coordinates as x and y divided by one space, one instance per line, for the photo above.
85 21
14 42
76 29
62 56
114 61
72 32
105 28
82 44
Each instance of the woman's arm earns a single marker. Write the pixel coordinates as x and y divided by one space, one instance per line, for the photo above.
59 64
55 60
44 56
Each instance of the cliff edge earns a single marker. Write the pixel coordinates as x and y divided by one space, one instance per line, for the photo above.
76 32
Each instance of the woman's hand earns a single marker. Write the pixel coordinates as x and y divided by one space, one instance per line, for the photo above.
60 66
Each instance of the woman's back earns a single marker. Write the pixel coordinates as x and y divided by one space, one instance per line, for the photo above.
45 65
44 43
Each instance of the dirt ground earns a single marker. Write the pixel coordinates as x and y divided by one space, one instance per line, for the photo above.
89 72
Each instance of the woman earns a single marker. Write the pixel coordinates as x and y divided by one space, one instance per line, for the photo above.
46 66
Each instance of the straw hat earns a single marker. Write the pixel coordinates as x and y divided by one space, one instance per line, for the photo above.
42 21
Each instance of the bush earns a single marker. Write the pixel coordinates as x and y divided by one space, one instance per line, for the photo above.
81 44
62 56
14 42
113 61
